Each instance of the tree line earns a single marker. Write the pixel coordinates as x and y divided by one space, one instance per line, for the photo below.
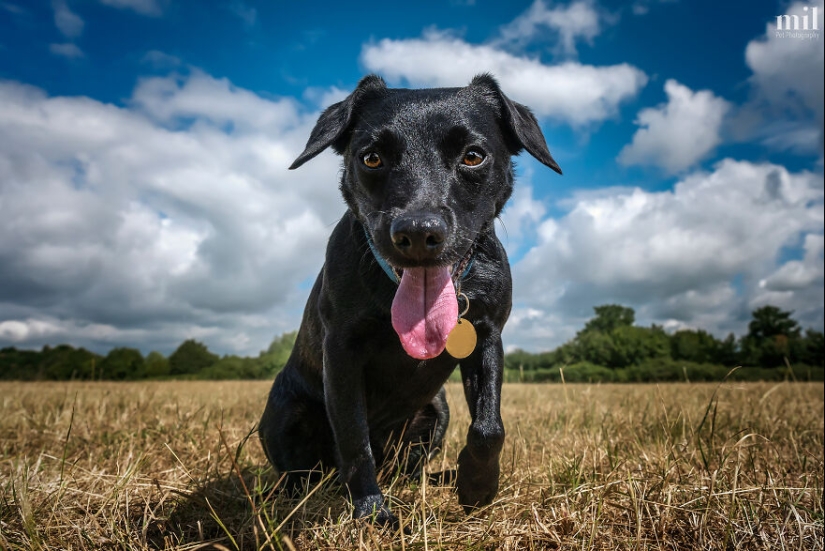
191 360
610 348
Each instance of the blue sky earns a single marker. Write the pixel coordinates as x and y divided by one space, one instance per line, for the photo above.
144 196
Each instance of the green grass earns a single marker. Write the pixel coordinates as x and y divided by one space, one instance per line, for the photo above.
175 465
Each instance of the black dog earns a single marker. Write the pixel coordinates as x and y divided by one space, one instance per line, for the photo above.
425 173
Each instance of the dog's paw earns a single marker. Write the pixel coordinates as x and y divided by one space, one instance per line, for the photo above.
476 483
374 509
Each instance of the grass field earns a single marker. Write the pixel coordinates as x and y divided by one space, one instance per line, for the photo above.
172 465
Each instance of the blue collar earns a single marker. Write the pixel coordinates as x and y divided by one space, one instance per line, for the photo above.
380 259
391 273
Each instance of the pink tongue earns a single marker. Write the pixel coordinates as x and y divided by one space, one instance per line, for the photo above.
424 311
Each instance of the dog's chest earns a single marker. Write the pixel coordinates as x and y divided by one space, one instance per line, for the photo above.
399 385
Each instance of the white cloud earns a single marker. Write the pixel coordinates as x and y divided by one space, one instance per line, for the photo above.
799 274
785 69
642 7
538 329
694 255
787 82
678 134
12 8
68 22
568 23
798 285
161 60
68 50
324 97
170 217
168 100
516 226
49 328
569 92
143 7
247 14
521 212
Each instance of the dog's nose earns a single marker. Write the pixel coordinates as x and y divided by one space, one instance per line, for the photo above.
419 236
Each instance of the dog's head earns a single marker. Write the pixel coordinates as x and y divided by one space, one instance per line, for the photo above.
427 171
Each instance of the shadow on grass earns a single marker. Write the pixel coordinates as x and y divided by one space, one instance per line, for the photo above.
248 507
248 510
242 510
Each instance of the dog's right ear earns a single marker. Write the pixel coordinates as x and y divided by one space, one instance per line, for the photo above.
334 122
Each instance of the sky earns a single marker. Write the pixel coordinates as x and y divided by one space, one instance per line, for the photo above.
144 146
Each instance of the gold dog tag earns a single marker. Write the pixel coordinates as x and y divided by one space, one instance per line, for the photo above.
462 340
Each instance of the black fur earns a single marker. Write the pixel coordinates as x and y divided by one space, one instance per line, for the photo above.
349 391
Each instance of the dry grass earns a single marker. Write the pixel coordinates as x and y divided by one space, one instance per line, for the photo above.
168 465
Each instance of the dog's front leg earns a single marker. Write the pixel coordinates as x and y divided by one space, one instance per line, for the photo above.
478 462
347 410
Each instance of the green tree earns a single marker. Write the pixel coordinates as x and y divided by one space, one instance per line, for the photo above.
610 317
595 347
20 364
64 362
634 345
281 347
727 353
770 321
812 349
694 345
563 355
524 361
235 367
595 343
156 365
121 364
518 359
772 334
273 359
190 358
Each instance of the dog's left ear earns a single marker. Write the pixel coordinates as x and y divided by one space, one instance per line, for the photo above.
521 123
334 122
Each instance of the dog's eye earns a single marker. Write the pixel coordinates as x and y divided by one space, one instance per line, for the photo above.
472 158
372 160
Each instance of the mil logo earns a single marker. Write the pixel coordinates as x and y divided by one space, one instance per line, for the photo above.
788 25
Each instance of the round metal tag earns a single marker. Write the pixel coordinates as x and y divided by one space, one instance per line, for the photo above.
462 340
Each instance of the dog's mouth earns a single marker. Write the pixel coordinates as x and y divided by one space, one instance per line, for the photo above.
425 307
424 311
458 270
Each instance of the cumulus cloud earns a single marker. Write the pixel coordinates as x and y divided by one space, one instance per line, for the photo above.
161 60
568 23
143 7
67 22
522 213
246 13
47 329
678 134
170 100
172 217
569 92
799 274
67 50
642 7
693 256
798 285
787 83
